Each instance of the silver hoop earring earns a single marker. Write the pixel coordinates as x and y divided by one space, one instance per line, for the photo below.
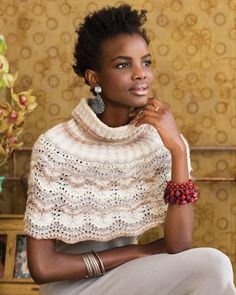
97 104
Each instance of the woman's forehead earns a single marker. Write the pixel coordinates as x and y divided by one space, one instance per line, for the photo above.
124 45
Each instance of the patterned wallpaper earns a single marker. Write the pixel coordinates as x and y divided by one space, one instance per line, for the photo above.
194 48
193 44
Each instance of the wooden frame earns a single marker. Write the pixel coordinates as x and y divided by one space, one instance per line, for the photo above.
12 227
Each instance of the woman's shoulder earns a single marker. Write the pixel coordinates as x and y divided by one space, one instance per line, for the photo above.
58 135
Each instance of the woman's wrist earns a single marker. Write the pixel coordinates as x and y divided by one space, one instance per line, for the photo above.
179 170
152 248
179 149
116 256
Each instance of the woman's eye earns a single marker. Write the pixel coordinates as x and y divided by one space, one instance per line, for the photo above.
122 65
147 63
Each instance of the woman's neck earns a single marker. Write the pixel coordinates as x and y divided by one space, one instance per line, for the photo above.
115 117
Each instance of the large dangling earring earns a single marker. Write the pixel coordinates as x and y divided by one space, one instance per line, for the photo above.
97 104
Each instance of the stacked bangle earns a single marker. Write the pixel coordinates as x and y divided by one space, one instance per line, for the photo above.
93 263
181 194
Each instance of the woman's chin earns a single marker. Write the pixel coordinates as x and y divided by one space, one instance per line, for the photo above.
140 101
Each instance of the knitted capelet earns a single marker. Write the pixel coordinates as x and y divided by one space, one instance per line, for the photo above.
89 181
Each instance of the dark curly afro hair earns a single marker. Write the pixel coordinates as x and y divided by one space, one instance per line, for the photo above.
100 26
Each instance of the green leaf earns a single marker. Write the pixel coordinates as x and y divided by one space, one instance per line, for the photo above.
2 84
4 65
3 45
3 125
9 80
2 151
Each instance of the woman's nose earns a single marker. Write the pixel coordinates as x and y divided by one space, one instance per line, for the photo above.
139 73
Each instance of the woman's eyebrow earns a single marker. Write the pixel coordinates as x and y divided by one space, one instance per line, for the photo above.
128 57
147 55
121 57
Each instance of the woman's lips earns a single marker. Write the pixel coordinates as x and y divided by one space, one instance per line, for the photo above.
140 89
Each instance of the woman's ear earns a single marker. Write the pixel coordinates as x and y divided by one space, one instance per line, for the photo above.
91 78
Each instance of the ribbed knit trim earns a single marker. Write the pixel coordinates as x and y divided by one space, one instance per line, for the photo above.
88 120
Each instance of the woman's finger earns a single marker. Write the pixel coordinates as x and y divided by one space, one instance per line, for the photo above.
147 120
149 111
135 112
141 116
155 106
154 102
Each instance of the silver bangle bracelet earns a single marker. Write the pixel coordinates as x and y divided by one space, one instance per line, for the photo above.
93 264
100 262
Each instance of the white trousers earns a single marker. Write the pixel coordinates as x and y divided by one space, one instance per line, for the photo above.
199 271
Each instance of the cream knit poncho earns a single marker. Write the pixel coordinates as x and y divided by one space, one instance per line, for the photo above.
89 181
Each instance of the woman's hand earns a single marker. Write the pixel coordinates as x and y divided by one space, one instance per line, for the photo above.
160 117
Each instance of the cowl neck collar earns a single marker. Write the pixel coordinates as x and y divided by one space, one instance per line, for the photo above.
87 119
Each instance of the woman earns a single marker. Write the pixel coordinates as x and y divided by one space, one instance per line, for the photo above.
97 181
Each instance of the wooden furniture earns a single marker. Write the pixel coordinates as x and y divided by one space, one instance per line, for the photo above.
13 280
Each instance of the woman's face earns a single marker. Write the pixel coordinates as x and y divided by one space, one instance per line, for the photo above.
125 74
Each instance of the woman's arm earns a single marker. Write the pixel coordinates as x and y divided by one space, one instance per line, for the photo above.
178 225
46 265
179 220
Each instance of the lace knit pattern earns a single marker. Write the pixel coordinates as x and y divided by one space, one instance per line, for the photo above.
92 182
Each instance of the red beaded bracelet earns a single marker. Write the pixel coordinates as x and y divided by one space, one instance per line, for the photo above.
181 194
